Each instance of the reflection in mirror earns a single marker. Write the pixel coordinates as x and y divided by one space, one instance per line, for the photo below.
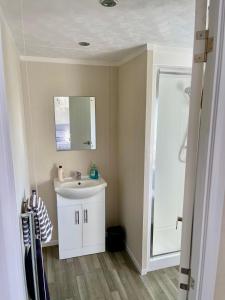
75 123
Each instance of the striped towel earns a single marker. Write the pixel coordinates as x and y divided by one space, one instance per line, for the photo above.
43 225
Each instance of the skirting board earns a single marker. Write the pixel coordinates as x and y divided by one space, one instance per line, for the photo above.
164 261
135 262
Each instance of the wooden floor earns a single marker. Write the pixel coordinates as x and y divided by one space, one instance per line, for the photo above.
105 276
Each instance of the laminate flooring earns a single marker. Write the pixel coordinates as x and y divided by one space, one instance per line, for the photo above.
106 276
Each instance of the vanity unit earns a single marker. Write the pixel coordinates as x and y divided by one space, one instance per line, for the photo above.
81 216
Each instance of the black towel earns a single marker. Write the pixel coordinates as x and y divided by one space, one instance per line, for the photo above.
42 281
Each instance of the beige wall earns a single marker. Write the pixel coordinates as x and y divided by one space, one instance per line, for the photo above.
131 150
46 80
16 115
220 279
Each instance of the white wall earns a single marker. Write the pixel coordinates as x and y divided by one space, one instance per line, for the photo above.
16 116
172 57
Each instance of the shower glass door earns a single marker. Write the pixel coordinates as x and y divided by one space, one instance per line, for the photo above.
173 96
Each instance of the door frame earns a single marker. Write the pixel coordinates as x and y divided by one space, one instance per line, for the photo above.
168 58
210 187
172 258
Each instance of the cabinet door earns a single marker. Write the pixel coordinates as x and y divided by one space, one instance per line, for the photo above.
94 224
70 227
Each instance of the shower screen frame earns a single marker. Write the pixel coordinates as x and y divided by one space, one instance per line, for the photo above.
178 71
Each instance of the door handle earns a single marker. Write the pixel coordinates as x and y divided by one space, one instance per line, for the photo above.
87 143
179 219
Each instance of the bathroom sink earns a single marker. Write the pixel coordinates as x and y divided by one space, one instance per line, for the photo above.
79 189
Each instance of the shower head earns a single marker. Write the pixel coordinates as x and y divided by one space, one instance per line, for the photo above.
187 91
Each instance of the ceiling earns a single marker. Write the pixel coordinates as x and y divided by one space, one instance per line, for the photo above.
53 28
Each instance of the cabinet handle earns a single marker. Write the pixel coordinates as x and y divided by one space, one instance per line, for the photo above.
85 216
77 221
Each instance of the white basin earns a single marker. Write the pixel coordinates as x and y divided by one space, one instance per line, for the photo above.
79 189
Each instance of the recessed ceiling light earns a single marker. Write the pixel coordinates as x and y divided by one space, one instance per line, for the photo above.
84 44
109 3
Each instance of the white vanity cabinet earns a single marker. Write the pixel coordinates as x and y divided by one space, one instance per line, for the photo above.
81 225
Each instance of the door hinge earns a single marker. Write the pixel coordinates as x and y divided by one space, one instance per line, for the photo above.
185 271
184 286
191 281
187 286
204 35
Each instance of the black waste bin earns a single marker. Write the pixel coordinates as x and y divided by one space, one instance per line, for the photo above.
115 239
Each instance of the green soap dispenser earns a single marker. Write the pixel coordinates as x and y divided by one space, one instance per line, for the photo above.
94 174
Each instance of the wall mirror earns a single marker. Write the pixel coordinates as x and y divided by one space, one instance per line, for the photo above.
75 123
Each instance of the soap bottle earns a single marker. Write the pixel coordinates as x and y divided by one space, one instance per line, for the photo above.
60 173
94 174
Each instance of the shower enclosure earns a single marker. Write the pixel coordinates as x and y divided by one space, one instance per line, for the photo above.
168 174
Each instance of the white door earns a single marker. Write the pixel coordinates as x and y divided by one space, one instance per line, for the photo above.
70 227
12 280
196 213
93 224
192 147
169 170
